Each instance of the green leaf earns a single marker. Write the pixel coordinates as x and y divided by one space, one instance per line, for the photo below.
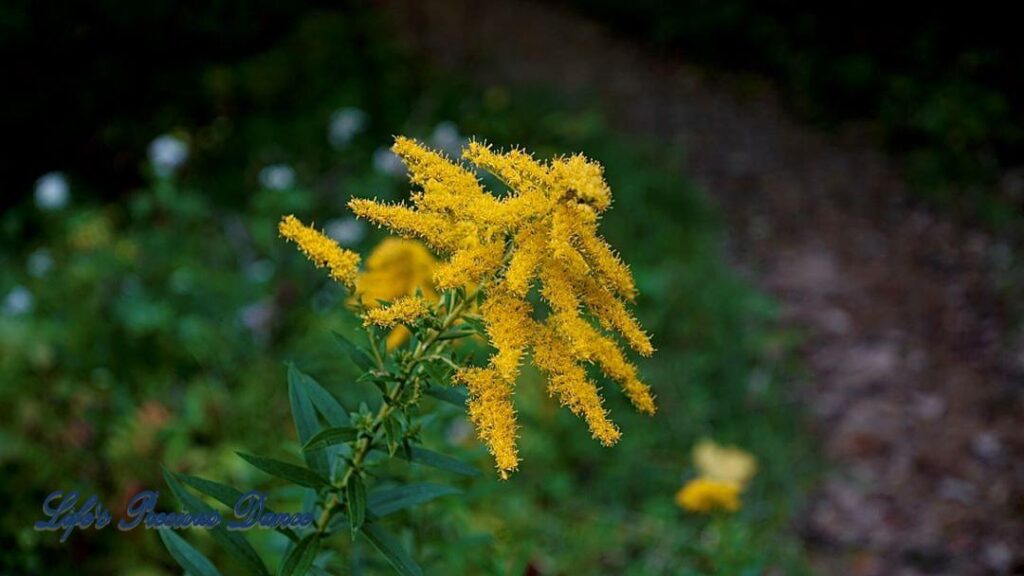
389 546
222 493
451 395
356 492
306 424
233 542
357 354
301 556
390 500
291 472
331 436
435 460
325 403
227 496
393 432
186 556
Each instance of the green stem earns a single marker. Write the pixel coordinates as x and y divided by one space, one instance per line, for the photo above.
366 442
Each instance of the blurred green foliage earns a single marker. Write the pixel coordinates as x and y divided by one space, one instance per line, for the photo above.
158 336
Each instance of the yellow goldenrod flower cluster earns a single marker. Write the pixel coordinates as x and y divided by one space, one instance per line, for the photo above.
724 473
343 265
396 268
544 234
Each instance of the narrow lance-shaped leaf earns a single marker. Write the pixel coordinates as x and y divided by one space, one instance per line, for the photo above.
329 407
291 472
356 499
233 542
331 436
435 460
299 559
390 500
454 396
389 546
304 415
186 556
227 496
361 358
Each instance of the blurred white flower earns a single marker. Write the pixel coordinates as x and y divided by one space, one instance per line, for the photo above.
52 191
346 231
277 177
167 153
387 162
260 271
18 301
258 318
345 123
40 263
447 138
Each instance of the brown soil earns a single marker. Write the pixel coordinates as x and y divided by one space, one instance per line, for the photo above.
912 387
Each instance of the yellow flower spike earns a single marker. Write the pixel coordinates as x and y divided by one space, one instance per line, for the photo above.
557 288
405 310
562 234
491 412
431 228
343 265
724 463
446 186
509 324
516 168
704 496
592 346
568 381
612 315
582 179
530 247
469 265
614 273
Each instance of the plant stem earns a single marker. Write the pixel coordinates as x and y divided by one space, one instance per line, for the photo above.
366 443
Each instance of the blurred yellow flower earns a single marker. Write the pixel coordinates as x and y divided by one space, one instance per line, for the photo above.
397 267
704 496
724 463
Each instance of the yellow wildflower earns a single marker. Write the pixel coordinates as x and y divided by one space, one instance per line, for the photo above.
704 496
405 310
491 411
397 267
544 232
321 250
724 463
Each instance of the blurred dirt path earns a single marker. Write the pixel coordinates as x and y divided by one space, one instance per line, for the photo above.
912 389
